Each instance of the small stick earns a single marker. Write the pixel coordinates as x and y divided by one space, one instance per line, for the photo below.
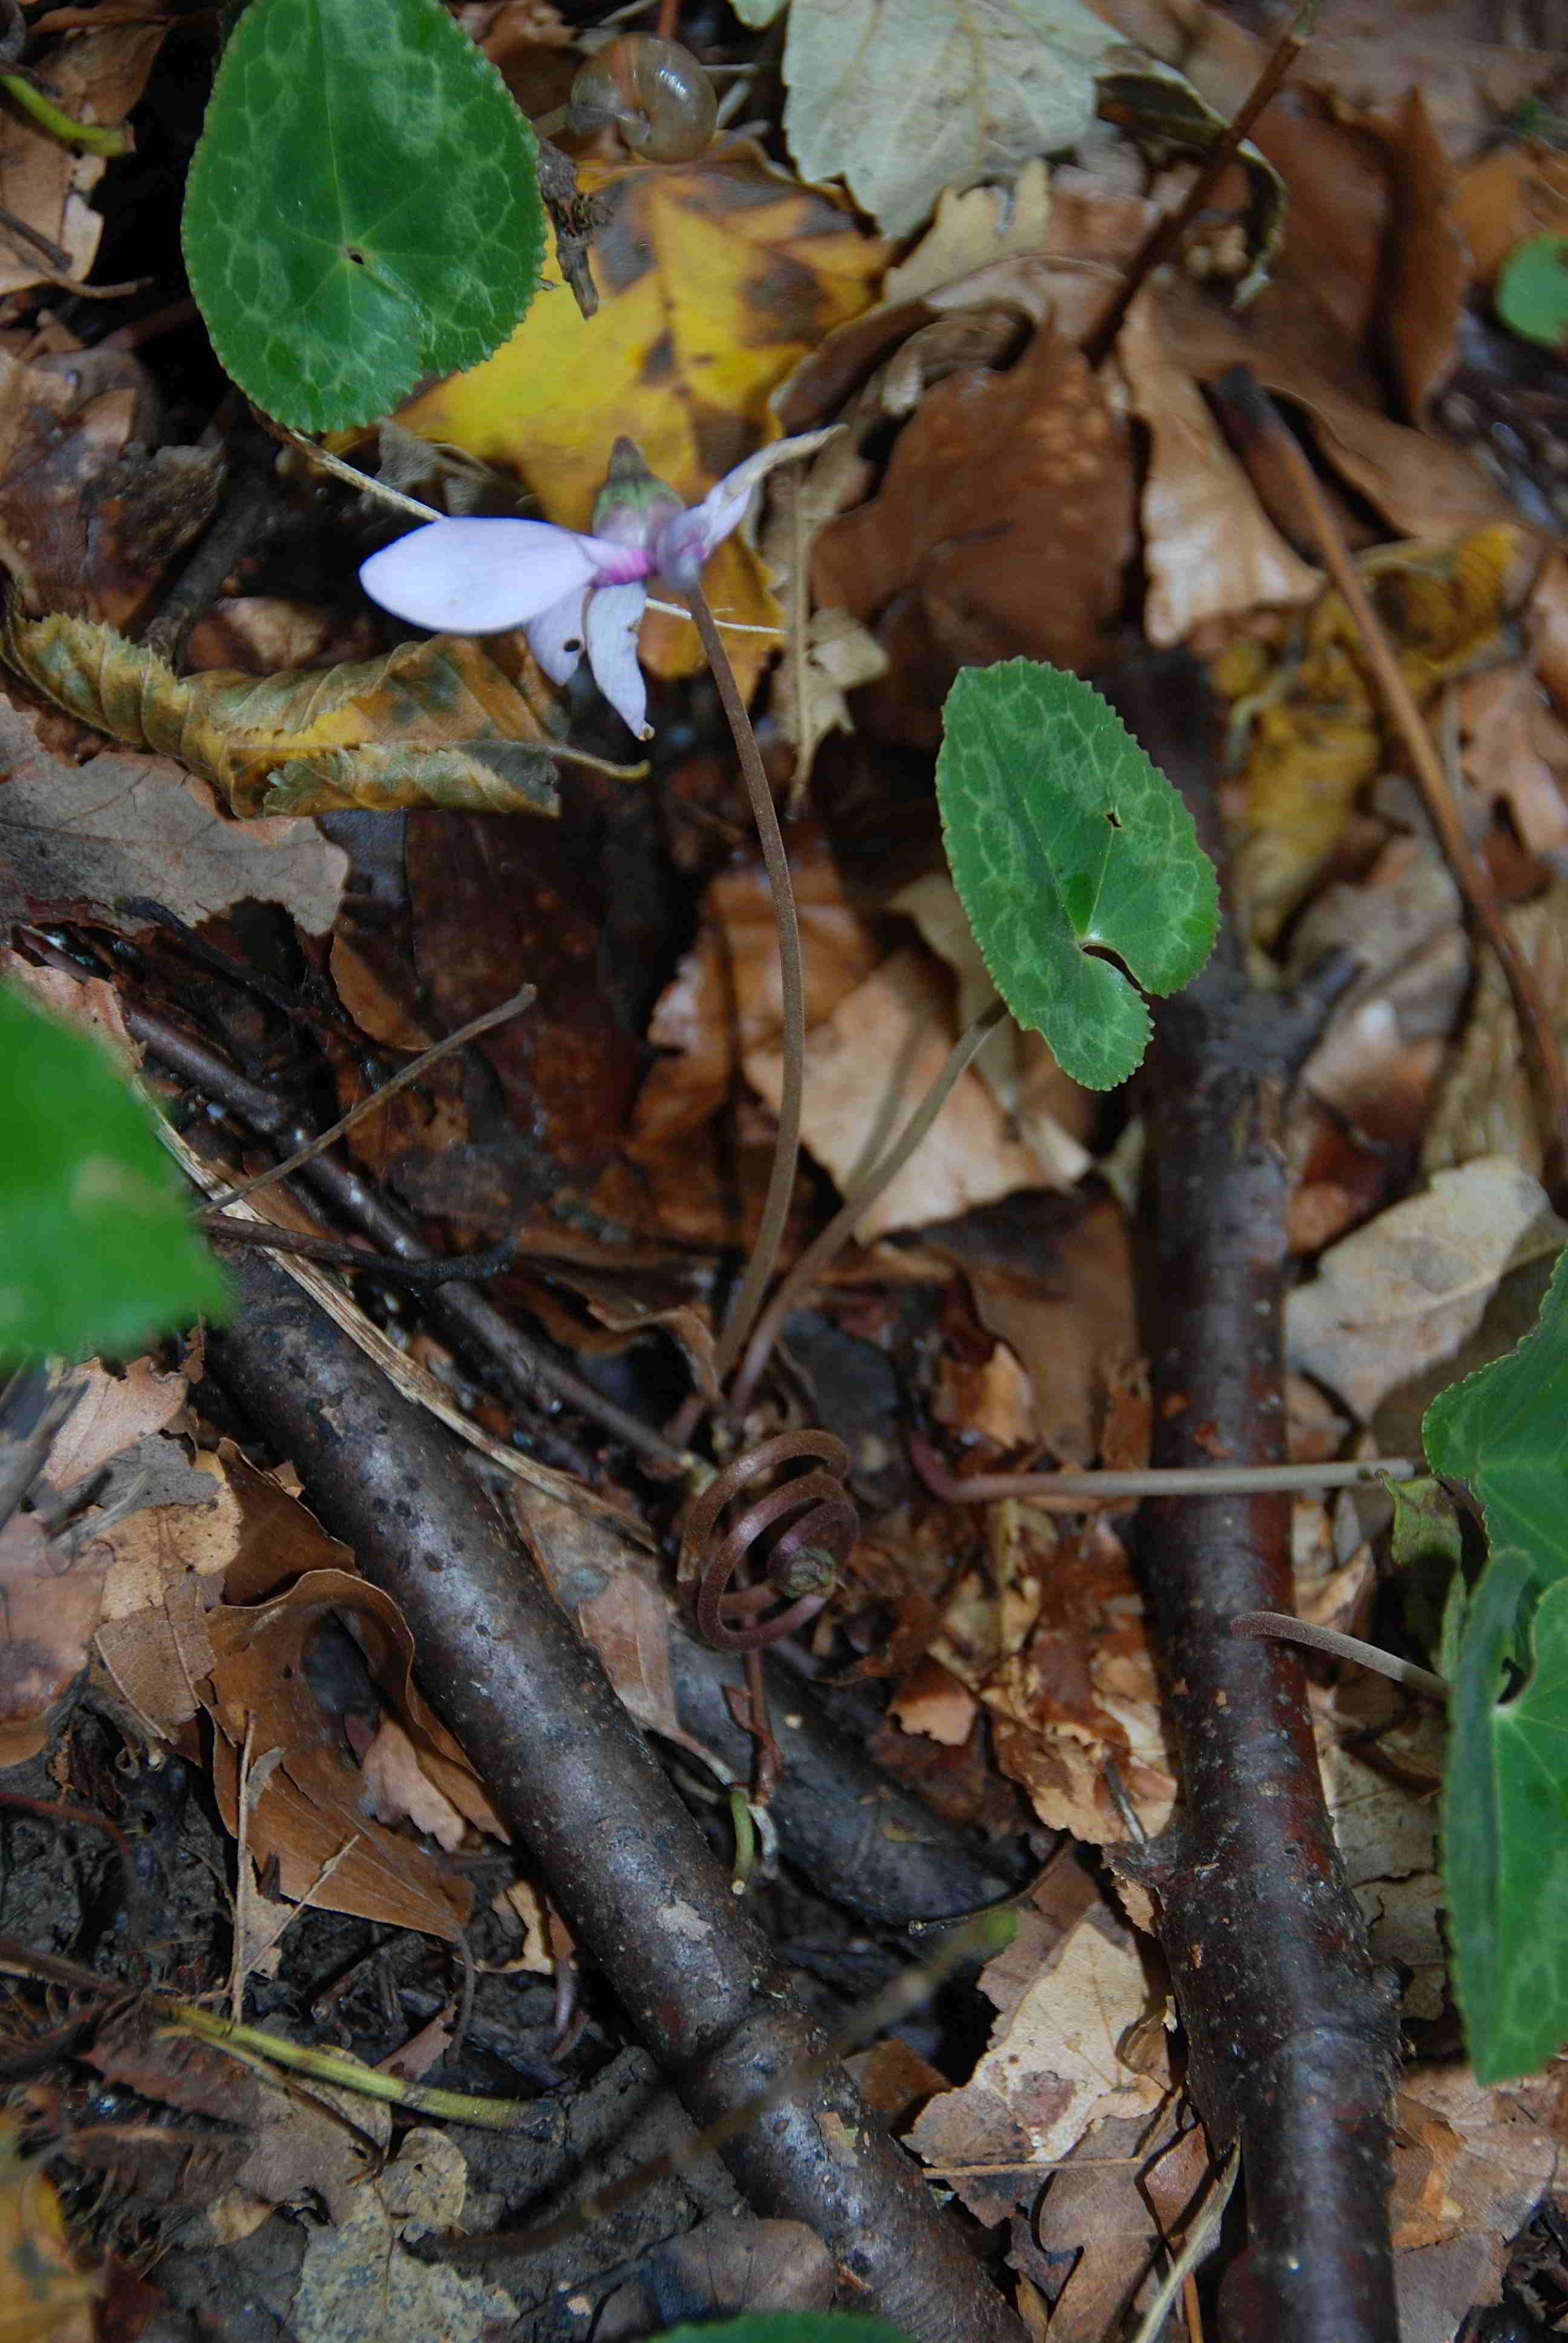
470 1267
1166 234
786 1144
519 1001
1069 1492
1281 1626
1259 420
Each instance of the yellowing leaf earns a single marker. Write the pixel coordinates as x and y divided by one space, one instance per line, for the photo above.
43 2297
1315 729
438 723
715 279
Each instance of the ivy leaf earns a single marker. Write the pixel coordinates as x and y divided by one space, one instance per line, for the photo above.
363 207
1505 1823
1501 1430
96 1252
1066 845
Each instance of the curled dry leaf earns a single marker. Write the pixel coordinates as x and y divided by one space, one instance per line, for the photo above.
121 830
1430 273
1209 548
440 723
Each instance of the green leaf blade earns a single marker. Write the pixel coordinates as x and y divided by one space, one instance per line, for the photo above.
1505 1826
96 1249
408 233
1503 1430
1066 844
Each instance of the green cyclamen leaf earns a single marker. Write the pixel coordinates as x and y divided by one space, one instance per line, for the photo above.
1506 1823
363 207
96 1252
1531 294
1067 844
1503 1430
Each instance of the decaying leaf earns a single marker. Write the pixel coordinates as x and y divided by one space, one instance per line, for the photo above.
123 830
440 723
315 1805
714 278
910 96
1054 2064
358 2285
1403 1294
1313 723
44 2296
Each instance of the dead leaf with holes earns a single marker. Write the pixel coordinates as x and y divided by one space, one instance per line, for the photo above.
714 278
358 2283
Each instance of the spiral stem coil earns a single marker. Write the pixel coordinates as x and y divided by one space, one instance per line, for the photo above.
799 1532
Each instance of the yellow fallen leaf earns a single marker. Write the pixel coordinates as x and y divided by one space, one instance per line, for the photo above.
44 2298
1315 725
438 723
715 279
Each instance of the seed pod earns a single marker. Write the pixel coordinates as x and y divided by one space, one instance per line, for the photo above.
654 91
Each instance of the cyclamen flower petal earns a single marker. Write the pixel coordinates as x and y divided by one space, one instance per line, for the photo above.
476 577
556 636
614 616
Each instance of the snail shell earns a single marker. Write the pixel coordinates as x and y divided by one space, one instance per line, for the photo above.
654 91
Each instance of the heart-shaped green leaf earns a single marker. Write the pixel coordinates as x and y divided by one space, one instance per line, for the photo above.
1066 845
363 207
96 1250
1501 1430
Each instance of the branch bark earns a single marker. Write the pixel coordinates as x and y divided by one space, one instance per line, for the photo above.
573 1779
1291 2033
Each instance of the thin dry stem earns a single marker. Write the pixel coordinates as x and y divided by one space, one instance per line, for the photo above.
787 1146
1260 418
1286 1629
1071 1493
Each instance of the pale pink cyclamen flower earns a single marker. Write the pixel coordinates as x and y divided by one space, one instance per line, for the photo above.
570 591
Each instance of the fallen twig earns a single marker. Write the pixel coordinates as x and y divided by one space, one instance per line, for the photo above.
1292 2035
573 1779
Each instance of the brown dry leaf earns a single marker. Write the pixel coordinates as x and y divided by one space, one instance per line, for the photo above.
1423 486
1519 190
714 277
995 476
1383 1800
115 1411
122 829
991 1399
1209 548
867 1068
358 2285
313 1806
1487 1104
1054 2064
1516 750
724 999
730 2263
621 1605
441 722
932 1701
1403 1294
1098 2209
1053 1280
1470 2165
1047 1111
49 1608
1429 276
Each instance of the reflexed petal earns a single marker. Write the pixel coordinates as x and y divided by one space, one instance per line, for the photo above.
556 636
684 544
474 576
615 614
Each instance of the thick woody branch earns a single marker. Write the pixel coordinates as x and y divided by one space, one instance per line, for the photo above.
574 1781
1291 2033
